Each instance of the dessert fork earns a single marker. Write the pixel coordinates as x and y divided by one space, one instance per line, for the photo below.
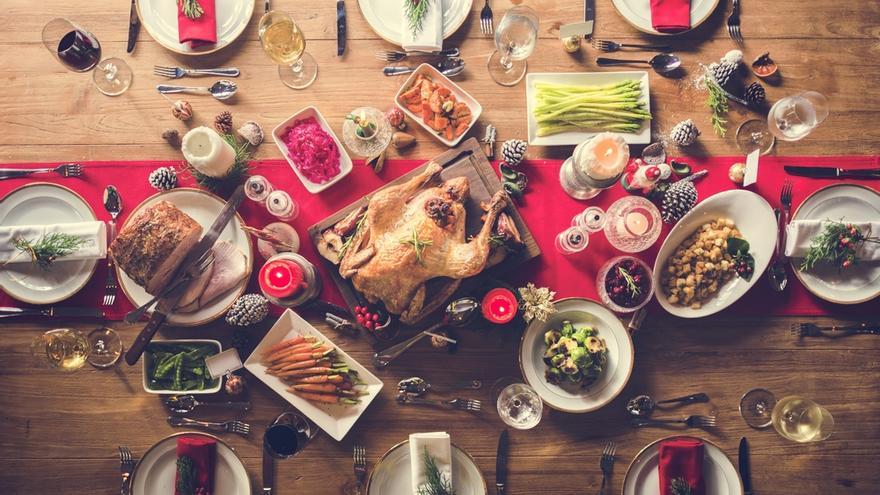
693 421
126 466
612 46
65 169
360 465
487 25
733 23
801 330
178 72
460 404
606 462
239 427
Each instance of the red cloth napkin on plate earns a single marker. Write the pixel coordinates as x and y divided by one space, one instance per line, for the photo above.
203 452
671 16
201 31
682 458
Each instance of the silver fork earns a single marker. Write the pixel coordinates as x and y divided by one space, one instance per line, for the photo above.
460 404
235 426
360 465
126 466
606 462
812 330
487 25
65 169
178 72
397 56
203 264
693 421
612 46
733 23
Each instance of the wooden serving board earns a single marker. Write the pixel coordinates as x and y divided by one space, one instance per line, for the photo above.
466 160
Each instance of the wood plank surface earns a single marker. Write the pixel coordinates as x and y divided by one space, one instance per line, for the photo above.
59 432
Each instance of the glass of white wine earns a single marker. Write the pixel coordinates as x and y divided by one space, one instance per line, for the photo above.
285 43
802 420
515 40
63 349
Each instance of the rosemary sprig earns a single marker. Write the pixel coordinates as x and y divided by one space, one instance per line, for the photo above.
417 244
437 483
680 486
191 8
348 241
634 289
717 101
836 244
415 13
237 172
48 248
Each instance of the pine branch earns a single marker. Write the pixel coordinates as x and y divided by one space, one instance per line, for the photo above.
717 101
415 13
48 248
236 174
191 8
437 483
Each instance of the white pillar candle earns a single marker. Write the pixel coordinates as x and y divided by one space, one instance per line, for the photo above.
207 152
602 157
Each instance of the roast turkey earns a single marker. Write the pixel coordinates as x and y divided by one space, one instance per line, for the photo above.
414 233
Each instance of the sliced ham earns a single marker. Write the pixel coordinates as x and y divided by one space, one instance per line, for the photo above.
228 270
195 290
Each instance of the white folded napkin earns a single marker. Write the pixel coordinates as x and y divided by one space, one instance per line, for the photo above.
430 38
93 233
438 446
800 233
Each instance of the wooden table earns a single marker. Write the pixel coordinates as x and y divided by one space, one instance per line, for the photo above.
60 432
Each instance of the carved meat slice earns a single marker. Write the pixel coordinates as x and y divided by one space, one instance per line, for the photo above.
228 270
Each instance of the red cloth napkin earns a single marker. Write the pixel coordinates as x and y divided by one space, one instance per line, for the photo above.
671 16
201 31
681 458
203 452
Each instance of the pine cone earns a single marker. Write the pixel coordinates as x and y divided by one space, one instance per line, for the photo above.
513 151
723 72
223 123
684 133
248 309
679 199
755 94
163 178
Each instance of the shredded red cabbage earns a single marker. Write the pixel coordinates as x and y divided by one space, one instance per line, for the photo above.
313 151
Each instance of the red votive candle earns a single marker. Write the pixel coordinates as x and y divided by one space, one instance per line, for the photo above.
281 279
499 306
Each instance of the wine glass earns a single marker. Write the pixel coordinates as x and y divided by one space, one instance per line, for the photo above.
802 420
63 349
80 51
790 119
752 135
106 347
519 406
288 435
756 407
285 43
515 40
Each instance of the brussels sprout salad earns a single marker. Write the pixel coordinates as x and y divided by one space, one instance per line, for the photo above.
574 355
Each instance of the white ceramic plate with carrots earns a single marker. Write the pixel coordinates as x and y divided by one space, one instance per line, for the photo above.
334 418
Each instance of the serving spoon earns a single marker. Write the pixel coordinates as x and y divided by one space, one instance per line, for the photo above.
643 405
182 404
223 89
662 63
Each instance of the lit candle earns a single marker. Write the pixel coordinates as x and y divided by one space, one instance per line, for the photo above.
636 222
602 157
499 306
207 152
281 279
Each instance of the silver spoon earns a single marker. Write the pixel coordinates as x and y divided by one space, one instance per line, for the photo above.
662 63
419 386
222 89
182 404
643 405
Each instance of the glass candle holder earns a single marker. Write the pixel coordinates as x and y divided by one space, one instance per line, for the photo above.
595 165
366 131
632 224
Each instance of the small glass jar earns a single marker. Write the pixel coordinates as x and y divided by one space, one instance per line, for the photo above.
605 282
257 188
280 204
311 281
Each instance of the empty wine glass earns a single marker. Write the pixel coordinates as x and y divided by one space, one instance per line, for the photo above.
794 117
519 406
515 40
80 51
285 43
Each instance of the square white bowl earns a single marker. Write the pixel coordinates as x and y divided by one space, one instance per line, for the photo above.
460 94
335 419
148 357
584 79
345 163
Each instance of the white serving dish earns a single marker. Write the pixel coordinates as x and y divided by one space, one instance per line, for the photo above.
159 18
147 360
756 221
584 79
345 163
460 94
386 19
335 419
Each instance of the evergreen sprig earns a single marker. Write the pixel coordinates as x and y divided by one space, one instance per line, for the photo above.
437 483
48 248
836 244
631 284
415 13
236 174
191 8
186 476
680 486
717 101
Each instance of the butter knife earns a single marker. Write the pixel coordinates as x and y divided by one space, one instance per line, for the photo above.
745 472
340 27
188 267
134 25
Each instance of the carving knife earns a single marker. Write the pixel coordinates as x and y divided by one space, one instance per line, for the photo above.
744 469
501 464
340 27
134 25
833 172
585 28
189 267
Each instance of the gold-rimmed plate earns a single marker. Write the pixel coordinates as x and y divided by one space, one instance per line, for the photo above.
853 203
204 208
643 474
393 473
155 472
159 18
32 204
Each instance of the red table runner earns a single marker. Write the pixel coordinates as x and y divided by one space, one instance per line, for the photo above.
546 209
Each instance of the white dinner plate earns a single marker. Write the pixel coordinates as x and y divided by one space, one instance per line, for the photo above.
33 204
384 16
203 207
392 474
155 472
860 282
335 419
584 79
638 13
754 218
618 367
643 474
159 18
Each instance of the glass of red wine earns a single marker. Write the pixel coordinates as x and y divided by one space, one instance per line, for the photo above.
288 435
80 51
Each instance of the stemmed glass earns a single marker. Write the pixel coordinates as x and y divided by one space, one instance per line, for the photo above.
515 40
80 51
519 406
790 119
285 43
66 349
793 417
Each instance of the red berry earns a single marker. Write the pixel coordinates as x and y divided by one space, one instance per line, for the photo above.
375 317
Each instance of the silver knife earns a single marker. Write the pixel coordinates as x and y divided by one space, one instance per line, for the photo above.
585 28
340 27
134 25
268 472
187 267
833 172
501 464
62 311
744 469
